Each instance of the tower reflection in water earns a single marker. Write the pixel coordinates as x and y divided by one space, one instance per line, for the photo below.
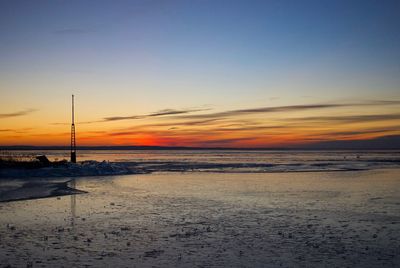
73 203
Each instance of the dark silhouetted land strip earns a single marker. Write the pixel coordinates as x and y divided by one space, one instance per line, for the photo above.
381 143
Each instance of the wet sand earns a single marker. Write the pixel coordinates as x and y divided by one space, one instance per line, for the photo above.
332 219
18 190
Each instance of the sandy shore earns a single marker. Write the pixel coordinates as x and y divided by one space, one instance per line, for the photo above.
32 189
333 219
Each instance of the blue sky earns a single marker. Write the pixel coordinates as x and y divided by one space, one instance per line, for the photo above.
137 57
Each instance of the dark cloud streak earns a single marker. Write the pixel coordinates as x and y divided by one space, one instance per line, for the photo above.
347 118
19 113
164 112
290 108
225 141
118 118
182 114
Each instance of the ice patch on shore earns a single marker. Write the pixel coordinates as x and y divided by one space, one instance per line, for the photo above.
174 166
104 168
85 168
36 189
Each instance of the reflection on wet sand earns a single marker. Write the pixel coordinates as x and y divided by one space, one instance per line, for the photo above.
73 203
342 219
26 189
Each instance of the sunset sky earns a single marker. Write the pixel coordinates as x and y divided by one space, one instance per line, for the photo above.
199 73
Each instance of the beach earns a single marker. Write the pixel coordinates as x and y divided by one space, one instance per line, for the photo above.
211 219
200 134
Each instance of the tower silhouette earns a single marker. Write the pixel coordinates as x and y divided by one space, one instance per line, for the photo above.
73 139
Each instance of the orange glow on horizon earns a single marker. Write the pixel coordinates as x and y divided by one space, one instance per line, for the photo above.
237 128
166 139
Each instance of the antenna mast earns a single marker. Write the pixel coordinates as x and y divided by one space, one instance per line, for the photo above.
73 139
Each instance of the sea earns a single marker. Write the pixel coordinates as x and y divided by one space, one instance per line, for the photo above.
237 160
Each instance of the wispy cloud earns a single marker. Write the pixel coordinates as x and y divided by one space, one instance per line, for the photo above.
264 110
365 131
202 118
173 112
118 118
347 118
58 123
250 128
164 112
290 108
195 127
206 122
80 123
219 142
124 133
19 113
382 102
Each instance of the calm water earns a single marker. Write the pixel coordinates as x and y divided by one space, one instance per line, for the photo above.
221 155
245 161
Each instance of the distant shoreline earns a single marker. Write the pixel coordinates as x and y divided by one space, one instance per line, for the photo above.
33 148
391 142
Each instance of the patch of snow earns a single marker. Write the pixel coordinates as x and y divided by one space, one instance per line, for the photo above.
85 168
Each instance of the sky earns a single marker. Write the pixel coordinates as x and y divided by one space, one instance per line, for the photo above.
199 73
